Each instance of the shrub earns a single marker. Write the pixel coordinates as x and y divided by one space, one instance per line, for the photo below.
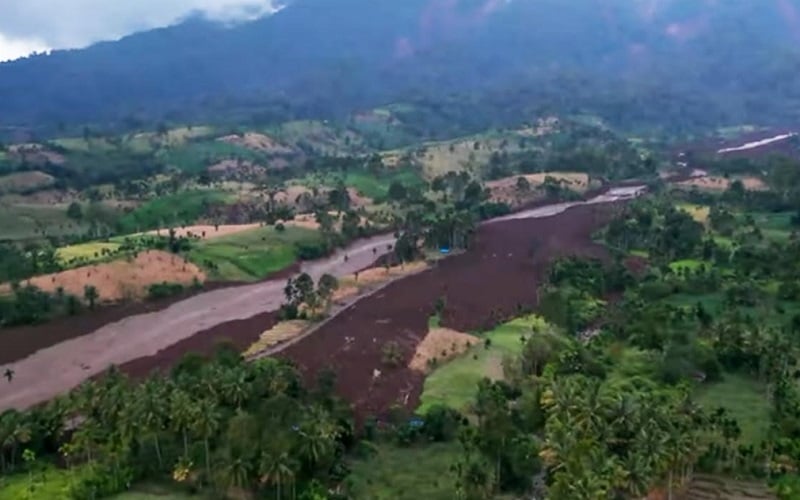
442 423
163 290
311 250
392 354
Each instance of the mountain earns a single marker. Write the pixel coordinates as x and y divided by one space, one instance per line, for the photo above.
637 63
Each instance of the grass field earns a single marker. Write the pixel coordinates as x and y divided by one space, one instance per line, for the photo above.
155 492
79 144
405 473
23 181
47 484
250 255
51 484
698 212
454 384
24 221
87 252
184 207
367 184
321 137
745 399
774 225
195 157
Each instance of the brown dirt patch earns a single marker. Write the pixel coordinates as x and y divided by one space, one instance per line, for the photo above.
716 183
258 142
205 231
350 286
35 154
123 279
357 201
237 170
483 287
23 181
441 344
505 190
306 221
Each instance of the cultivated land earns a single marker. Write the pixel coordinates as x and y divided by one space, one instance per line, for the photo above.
252 254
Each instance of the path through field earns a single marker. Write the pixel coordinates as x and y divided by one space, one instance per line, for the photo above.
63 366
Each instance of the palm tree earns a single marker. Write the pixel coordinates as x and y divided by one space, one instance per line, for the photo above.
317 435
236 387
276 468
182 415
234 471
151 408
205 425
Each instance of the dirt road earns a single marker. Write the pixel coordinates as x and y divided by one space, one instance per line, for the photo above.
63 366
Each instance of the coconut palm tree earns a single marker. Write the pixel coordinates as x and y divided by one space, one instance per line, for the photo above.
182 413
277 468
205 426
151 410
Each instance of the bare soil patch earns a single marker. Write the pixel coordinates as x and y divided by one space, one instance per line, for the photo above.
122 279
505 189
482 287
258 142
237 170
35 154
441 345
357 200
205 231
24 181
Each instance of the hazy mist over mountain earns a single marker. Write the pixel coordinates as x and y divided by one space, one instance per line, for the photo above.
635 63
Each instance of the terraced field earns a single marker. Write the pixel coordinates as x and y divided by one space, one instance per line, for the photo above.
705 487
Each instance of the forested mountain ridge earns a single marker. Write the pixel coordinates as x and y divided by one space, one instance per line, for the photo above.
695 63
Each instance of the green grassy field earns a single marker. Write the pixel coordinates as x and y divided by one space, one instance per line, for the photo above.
24 221
454 383
89 252
251 255
366 183
405 473
195 157
321 137
79 144
51 484
155 492
48 484
745 399
774 225
183 207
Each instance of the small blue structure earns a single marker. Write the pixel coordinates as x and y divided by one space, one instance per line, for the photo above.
444 250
